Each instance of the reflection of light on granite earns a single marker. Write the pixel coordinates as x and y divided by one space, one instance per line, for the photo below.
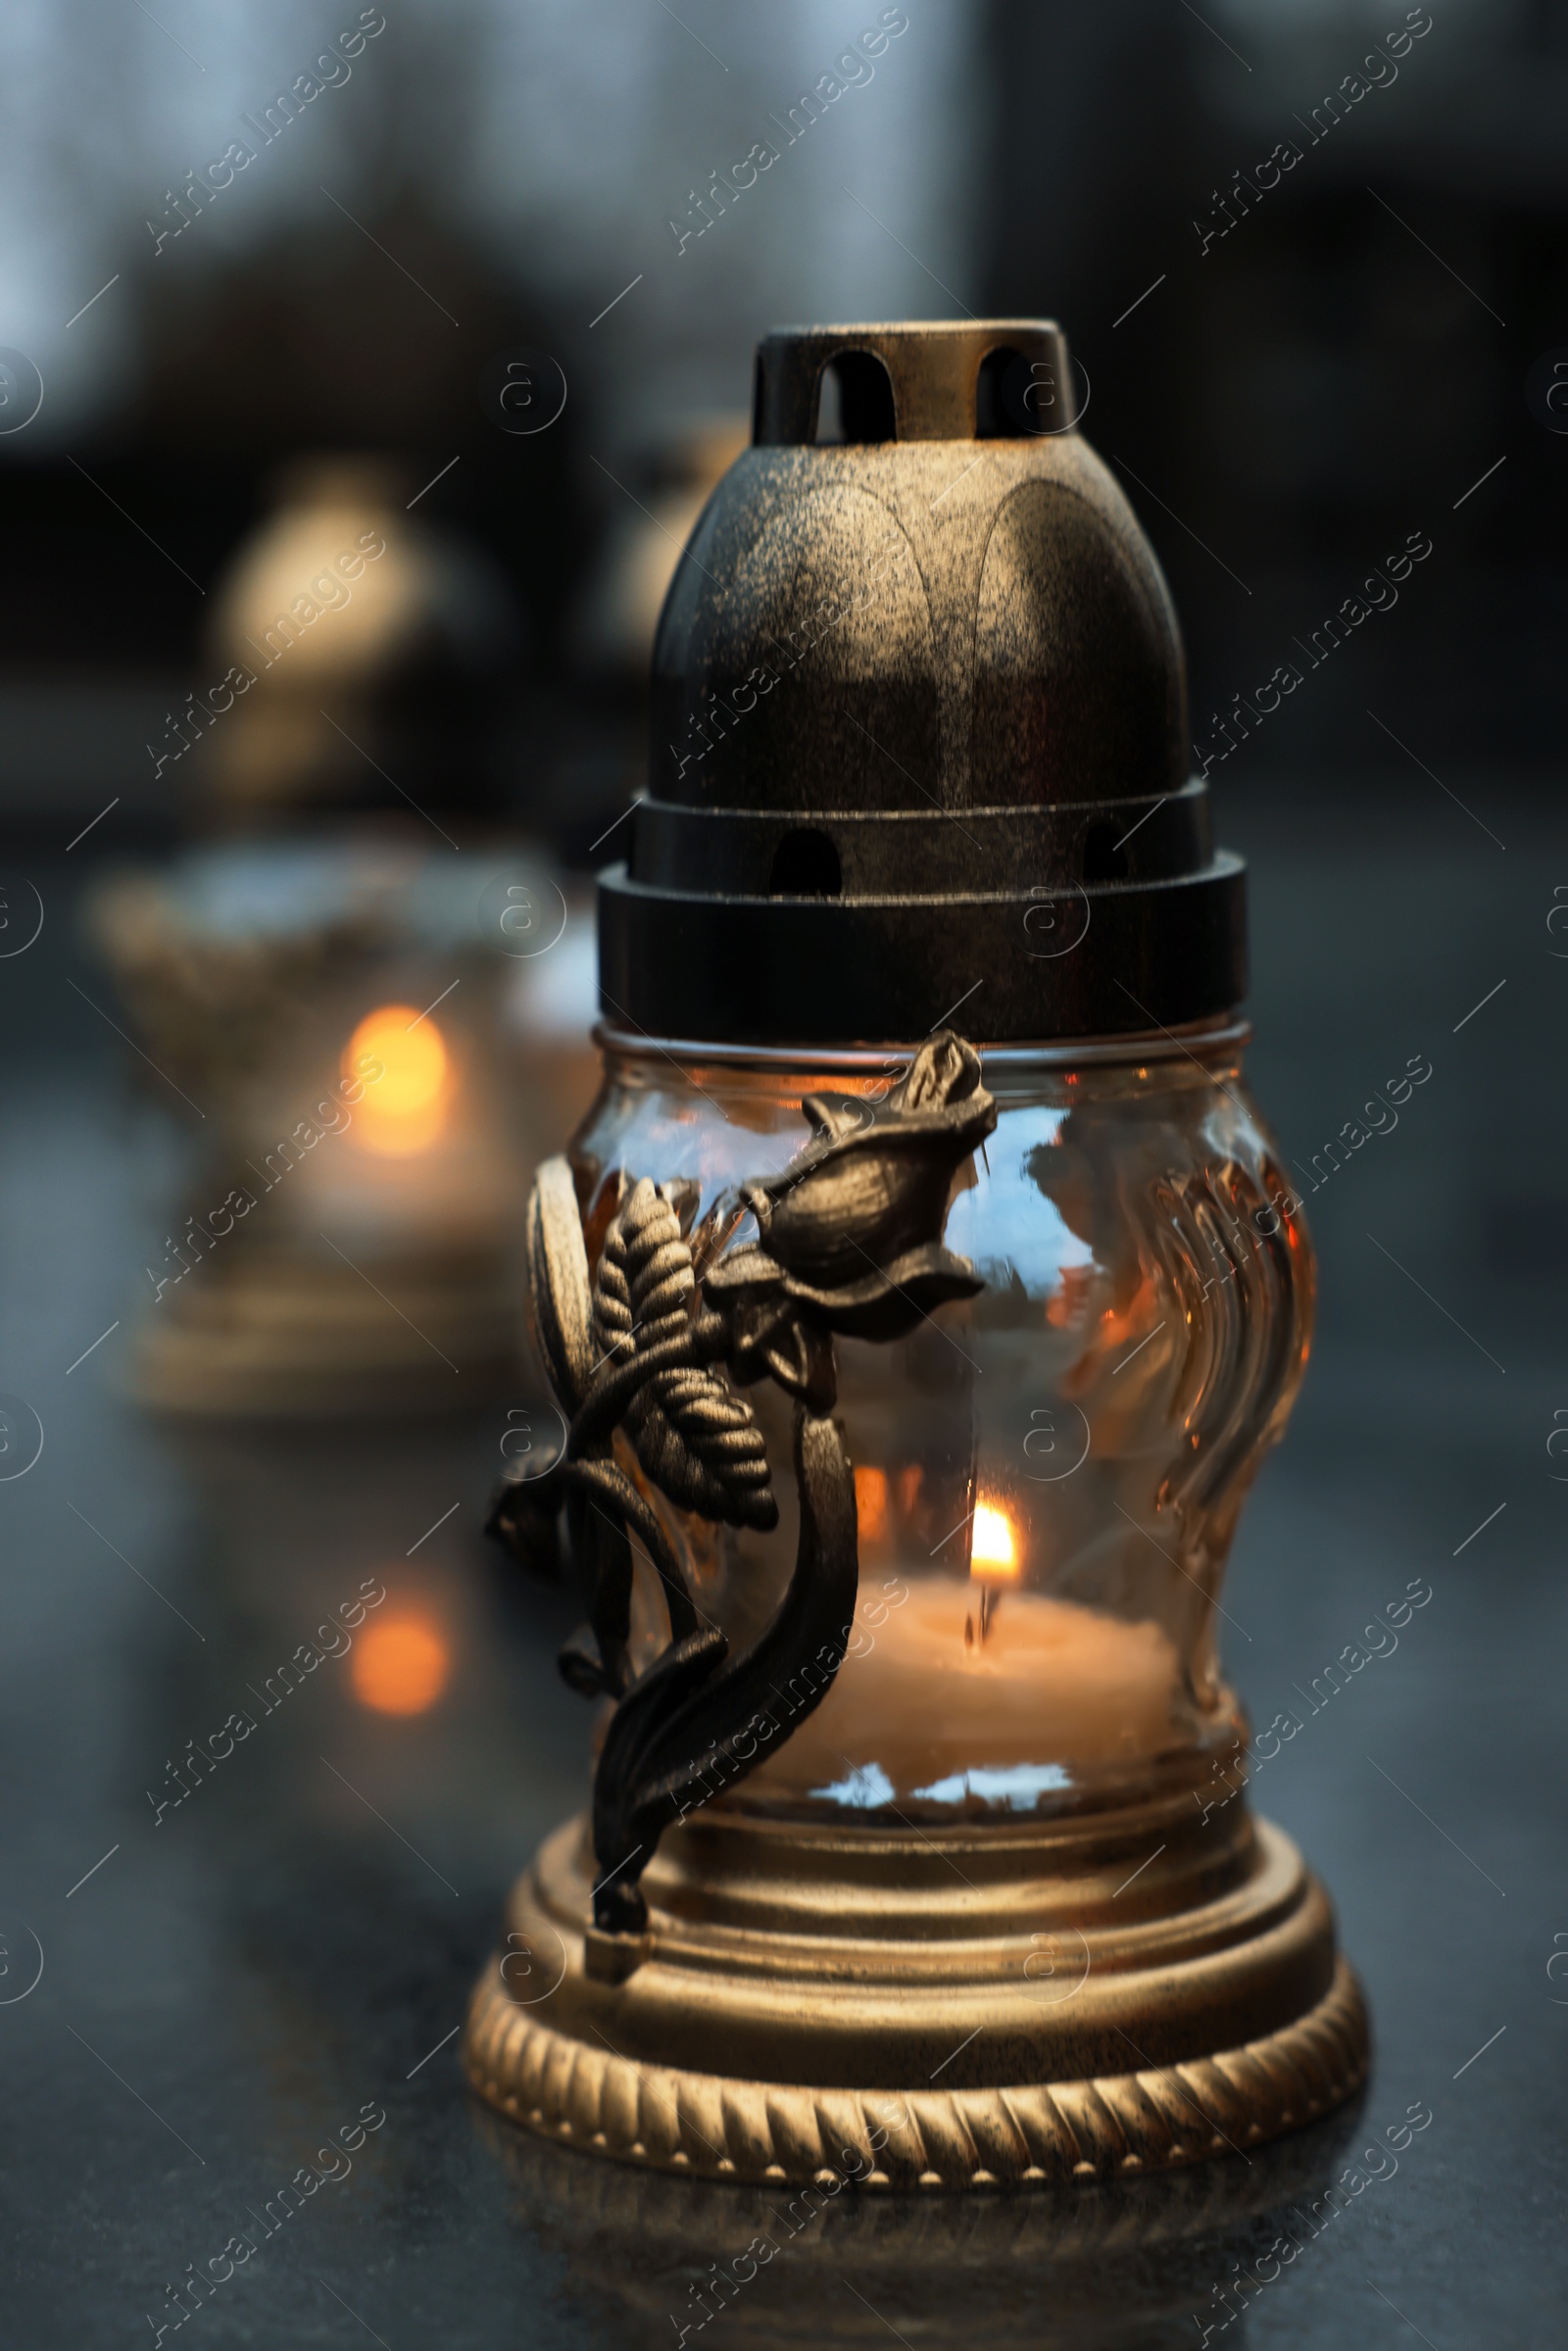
402 1664
405 1109
993 1551
866 1786
1017 1786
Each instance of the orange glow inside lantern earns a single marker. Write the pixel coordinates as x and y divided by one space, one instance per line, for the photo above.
406 1108
871 1504
400 1664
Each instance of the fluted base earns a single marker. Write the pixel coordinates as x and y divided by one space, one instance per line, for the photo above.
968 2007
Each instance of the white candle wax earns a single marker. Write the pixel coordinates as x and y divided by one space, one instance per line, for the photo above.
918 1710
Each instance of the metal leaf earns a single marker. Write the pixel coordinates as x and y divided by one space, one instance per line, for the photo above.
696 1438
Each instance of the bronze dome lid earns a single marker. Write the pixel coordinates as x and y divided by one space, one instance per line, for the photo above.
918 724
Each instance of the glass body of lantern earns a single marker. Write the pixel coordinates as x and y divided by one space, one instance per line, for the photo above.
1047 1478
302 995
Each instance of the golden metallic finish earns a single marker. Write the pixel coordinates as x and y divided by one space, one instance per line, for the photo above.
958 2008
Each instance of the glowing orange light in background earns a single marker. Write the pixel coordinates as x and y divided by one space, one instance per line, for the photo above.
992 1553
400 1664
405 1109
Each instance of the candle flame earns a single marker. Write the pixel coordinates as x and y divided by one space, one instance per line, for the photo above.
400 1664
405 1109
992 1553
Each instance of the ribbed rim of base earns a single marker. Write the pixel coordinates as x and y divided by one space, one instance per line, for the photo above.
1100 2128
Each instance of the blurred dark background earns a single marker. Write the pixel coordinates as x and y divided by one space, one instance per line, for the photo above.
1322 367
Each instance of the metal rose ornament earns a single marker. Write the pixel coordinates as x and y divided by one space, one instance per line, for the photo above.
652 1348
851 1231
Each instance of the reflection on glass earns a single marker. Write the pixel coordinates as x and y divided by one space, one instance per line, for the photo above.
871 1504
405 1109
